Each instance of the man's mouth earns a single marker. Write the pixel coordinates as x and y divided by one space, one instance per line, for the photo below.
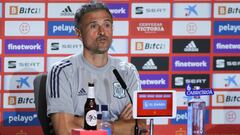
101 39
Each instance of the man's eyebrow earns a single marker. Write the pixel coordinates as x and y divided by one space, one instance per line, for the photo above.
91 22
108 20
95 21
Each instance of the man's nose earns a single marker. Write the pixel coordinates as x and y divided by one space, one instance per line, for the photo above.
101 30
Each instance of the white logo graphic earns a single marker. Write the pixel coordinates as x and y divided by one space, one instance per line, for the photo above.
191 47
63 28
24 28
228 46
179 81
220 63
22 118
183 116
196 81
153 82
149 65
179 63
118 92
12 46
229 27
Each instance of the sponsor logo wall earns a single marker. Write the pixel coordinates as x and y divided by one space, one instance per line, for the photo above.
171 43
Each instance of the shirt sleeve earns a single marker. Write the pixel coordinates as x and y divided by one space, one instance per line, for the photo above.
133 80
58 89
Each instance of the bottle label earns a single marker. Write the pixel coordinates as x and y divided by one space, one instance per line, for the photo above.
91 118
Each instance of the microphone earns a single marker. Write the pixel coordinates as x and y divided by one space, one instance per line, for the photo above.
124 86
119 78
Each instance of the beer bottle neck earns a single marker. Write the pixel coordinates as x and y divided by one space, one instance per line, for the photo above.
91 92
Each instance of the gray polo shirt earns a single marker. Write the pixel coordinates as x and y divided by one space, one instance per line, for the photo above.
67 85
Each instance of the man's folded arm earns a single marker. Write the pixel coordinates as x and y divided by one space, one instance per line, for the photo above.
126 124
63 123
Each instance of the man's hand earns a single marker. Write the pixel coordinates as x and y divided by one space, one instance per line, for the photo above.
126 114
125 125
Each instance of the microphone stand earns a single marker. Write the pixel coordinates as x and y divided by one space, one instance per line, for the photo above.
136 129
124 86
151 126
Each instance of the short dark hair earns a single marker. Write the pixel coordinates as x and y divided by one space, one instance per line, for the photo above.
89 7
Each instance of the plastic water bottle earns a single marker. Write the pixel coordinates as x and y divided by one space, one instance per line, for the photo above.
196 115
105 123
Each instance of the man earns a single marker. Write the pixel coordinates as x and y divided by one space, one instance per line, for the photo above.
68 79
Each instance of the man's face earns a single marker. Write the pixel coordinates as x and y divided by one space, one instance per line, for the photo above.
96 31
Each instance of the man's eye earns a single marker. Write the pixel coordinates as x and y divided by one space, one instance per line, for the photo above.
107 25
93 26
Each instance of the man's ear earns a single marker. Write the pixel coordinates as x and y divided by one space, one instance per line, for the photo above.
78 33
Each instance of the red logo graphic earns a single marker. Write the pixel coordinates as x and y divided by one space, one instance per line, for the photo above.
191 28
230 116
24 28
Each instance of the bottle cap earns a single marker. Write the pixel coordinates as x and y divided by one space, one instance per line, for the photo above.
91 90
105 115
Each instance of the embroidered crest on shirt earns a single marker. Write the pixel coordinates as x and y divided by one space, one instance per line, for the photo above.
81 92
118 91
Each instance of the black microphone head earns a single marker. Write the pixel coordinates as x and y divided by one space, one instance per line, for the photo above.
119 78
